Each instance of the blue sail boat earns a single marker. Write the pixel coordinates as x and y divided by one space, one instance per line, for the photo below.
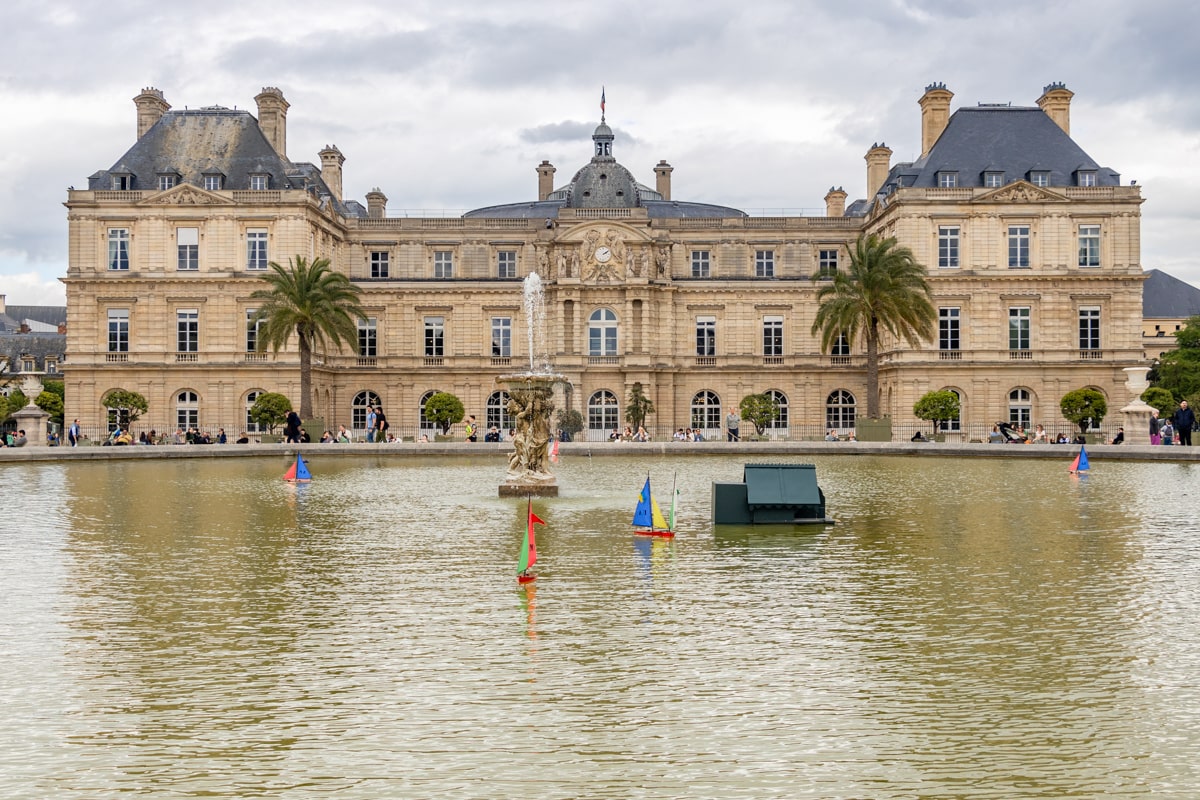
648 519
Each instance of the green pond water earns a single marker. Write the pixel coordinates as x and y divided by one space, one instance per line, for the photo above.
969 629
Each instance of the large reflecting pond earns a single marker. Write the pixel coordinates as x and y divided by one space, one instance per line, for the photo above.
970 629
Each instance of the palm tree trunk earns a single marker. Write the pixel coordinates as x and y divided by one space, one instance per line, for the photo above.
305 375
873 371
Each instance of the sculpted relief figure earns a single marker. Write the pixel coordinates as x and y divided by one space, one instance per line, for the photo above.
543 262
661 257
564 268
631 268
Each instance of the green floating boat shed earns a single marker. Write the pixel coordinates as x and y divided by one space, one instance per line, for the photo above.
785 494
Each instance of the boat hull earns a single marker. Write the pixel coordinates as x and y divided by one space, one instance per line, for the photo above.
664 534
526 578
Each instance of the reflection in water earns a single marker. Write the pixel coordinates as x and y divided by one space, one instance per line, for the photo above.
985 629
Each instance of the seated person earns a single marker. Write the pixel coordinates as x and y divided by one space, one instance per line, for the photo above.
493 434
831 436
1063 438
641 435
19 440
1120 437
123 437
995 437
243 438
697 436
919 437
327 437
850 437
615 436
1079 439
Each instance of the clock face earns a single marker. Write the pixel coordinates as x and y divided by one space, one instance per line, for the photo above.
603 254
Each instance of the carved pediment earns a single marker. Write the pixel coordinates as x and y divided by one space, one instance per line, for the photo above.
185 195
1021 192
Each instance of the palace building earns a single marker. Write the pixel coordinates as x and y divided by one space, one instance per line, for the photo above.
1032 248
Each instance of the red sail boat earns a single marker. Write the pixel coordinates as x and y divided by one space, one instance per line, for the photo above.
528 548
298 472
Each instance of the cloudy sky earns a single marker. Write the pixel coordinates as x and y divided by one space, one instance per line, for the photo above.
451 105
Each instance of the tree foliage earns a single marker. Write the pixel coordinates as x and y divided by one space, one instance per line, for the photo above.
883 290
4 407
638 406
760 410
937 407
1179 371
52 404
308 299
1084 407
127 405
1161 399
444 410
569 421
270 410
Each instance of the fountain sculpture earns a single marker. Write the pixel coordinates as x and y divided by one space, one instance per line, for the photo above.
530 403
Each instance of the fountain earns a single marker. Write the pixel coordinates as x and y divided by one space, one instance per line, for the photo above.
530 403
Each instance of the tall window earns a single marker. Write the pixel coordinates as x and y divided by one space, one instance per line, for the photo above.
602 333
781 403
1089 328
948 328
258 183
706 336
252 328
368 338
706 411
187 327
827 263
187 409
251 398
1018 246
1018 328
256 248
380 263
701 264
1020 408
1089 245
839 409
423 422
187 248
841 347
506 264
496 412
443 264
501 337
435 337
773 336
118 248
602 411
764 263
948 246
358 409
118 330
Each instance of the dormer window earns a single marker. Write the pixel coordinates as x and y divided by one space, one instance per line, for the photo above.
213 182
947 179
51 365
167 180
1085 177
122 181
258 183
27 365
1039 177
993 179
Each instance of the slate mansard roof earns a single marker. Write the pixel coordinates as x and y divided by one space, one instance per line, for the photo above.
195 143
1166 297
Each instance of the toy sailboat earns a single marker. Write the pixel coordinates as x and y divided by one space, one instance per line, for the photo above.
647 516
298 471
528 548
1080 464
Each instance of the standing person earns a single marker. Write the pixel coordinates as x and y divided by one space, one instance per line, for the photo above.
472 429
1166 433
370 424
1155 426
1184 419
73 433
732 424
381 425
291 428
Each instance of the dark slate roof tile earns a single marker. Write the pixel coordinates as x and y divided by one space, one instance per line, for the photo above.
1166 297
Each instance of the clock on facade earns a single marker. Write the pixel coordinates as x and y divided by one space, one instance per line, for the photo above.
603 254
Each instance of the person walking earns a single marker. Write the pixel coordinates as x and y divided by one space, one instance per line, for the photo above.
472 429
291 428
370 424
381 425
732 424
1184 419
73 433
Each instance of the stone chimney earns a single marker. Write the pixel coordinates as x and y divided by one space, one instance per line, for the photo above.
879 162
151 105
376 204
272 118
1056 102
545 173
835 202
2 304
935 114
662 179
331 169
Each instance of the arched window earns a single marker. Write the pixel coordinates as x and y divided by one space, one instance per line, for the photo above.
781 402
251 397
187 409
603 411
1020 407
956 423
424 424
839 410
358 409
602 333
497 412
706 412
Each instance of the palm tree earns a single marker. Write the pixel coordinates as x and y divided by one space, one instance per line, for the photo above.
884 289
316 303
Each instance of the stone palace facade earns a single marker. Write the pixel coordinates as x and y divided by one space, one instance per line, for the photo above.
1032 248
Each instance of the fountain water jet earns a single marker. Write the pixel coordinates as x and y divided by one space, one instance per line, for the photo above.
530 403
